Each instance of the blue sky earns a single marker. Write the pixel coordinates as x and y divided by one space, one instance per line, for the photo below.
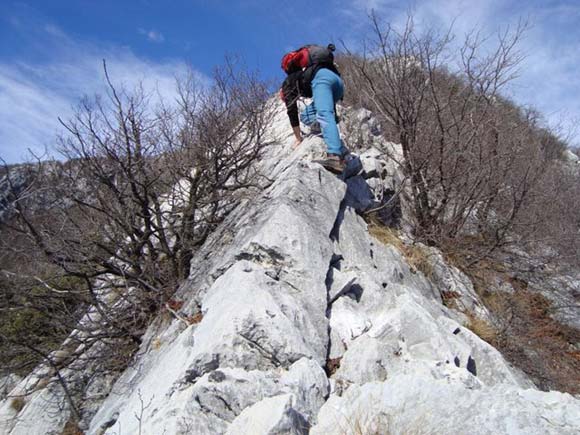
51 51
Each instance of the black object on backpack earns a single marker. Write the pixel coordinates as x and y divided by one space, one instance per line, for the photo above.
319 57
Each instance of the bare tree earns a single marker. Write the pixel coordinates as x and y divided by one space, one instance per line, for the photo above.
140 190
475 161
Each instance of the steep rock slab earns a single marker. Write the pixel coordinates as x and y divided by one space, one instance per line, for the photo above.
265 311
290 280
417 403
392 316
34 419
272 416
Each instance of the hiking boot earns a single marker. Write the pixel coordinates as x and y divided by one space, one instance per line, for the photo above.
334 163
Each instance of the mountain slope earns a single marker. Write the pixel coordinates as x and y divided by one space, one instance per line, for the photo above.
310 324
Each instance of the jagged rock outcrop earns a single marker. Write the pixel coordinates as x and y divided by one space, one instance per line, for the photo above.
311 325
17 180
13 182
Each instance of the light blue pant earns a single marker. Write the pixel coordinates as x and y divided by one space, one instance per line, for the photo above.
308 115
327 89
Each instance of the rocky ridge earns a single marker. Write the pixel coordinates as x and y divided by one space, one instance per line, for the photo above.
311 325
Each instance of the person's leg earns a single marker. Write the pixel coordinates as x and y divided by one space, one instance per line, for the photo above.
337 89
338 94
326 89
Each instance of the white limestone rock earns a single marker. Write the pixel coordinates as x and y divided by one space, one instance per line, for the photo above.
264 311
398 316
373 164
419 403
44 412
339 283
7 384
256 322
310 386
366 361
360 128
272 416
455 284
290 280
571 157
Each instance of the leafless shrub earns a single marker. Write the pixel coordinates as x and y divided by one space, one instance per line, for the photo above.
479 168
112 230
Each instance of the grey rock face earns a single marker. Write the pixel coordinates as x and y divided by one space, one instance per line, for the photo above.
7 384
417 403
265 314
271 416
310 325
569 156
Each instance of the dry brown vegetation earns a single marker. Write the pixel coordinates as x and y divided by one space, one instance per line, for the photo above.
386 235
526 333
17 404
416 255
419 259
71 428
482 328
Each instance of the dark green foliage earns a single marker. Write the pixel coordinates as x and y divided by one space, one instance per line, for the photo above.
34 317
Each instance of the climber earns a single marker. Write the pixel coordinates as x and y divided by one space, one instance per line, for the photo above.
312 73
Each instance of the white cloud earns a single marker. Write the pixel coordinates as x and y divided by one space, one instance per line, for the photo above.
27 114
34 95
54 30
548 74
152 35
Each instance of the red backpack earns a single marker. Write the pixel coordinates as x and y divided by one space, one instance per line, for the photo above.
307 56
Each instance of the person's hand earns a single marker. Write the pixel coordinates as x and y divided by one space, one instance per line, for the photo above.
296 143
297 136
